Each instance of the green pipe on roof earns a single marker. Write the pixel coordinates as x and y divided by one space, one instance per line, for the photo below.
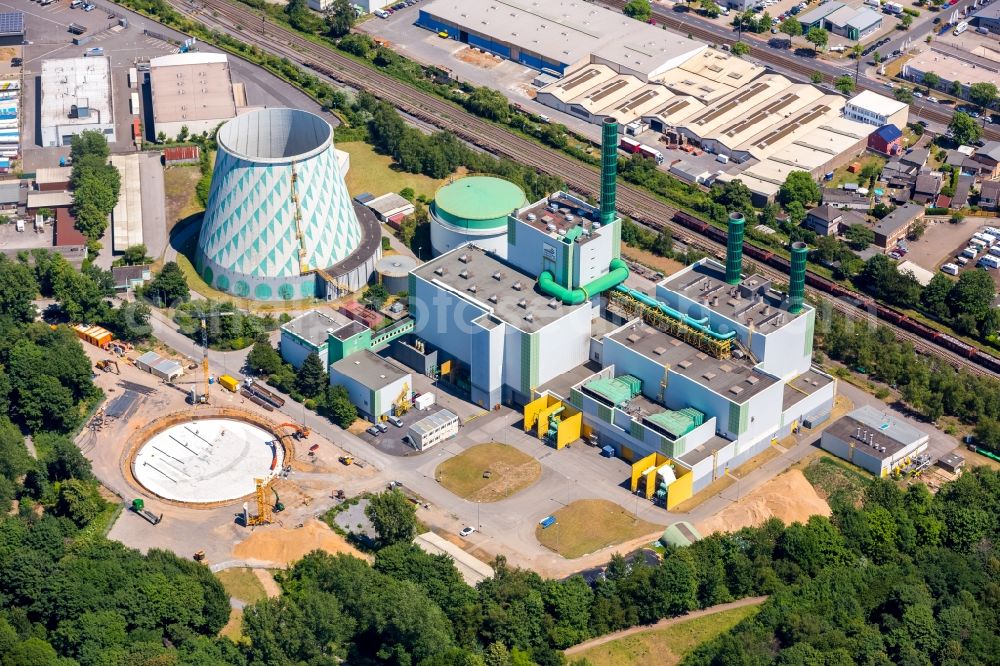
618 273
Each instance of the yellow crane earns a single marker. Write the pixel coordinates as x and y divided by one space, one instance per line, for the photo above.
263 516
402 403
204 343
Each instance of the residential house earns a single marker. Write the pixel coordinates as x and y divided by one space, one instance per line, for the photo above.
845 199
10 196
962 187
916 158
128 278
926 189
887 140
989 194
827 220
987 159
893 227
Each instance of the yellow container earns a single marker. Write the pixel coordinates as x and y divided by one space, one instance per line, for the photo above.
229 383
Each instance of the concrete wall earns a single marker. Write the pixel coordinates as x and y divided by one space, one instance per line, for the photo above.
486 364
383 399
564 344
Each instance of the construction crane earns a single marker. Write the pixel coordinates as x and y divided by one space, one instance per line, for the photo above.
402 403
263 516
204 343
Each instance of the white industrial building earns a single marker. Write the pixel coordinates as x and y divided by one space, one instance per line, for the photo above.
874 440
76 97
559 35
878 110
433 429
374 384
193 90
306 334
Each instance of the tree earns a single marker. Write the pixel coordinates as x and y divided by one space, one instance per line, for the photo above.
931 80
263 359
135 255
312 377
393 516
956 89
791 27
859 237
964 129
375 296
640 10
844 84
799 186
815 77
18 289
89 143
489 103
169 287
972 295
340 17
408 194
905 21
62 459
983 93
710 9
903 94
339 407
663 246
818 37
79 501
740 49
131 321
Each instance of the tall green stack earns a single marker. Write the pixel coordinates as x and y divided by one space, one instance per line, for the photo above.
609 170
797 280
734 249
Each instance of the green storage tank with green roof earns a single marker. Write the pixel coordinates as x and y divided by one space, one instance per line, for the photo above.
474 209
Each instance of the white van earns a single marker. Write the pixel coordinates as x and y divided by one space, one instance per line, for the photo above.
75 4
950 269
960 28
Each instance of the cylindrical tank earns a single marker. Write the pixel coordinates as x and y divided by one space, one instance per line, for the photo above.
609 170
474 209
797 279
734 249
394 272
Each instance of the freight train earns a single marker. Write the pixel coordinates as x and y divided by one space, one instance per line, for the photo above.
837 290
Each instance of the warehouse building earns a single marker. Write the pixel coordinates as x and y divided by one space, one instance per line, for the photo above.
12 28
952 64
851 22
878 110
873 440
433 429
559 35
988 17
76 97
373 383
193 90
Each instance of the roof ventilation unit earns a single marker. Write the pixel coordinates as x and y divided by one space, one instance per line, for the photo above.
517 286
522 303
498 276
529 317
464 258
464 274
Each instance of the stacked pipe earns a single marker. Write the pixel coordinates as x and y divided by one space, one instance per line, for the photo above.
734 249
609 170
797 279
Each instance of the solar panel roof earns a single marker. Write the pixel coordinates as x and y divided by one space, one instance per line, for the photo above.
12 23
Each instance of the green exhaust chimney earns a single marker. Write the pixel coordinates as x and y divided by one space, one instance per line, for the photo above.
797 279
609 170
734 249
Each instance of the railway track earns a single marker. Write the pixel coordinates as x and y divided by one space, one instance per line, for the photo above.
248 26
779 58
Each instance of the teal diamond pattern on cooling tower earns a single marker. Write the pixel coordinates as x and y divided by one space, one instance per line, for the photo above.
250 225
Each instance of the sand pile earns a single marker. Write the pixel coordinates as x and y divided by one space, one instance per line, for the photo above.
789 497
282 546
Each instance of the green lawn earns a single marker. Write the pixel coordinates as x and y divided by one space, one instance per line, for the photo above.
242 584
509 471
374 173
665 647
832 477
586 526
841 175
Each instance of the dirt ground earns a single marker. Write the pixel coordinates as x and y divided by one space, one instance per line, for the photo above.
267 581
662 264
789 497
477 58
179 183
282 546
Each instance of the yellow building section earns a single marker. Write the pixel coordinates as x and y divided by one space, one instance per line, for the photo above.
534 408
649 468
569 428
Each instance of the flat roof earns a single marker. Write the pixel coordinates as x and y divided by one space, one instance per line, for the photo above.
722 67
76 82
12 23
436 420
568 31
47 175
368 369
349 330
388 203
878 428
880 104
313 326
697 454
492 277
683 82
479 197
49 199
579 81
803 386
191 87
10 192
734 379
752 298
568 214
126 218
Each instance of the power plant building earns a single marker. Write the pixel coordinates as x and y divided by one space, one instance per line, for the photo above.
474 209
280 224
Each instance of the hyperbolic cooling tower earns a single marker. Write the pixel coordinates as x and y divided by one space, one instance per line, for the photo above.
278 207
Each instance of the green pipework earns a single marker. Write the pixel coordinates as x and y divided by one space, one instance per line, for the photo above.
797 279
734 249
617 274
700 325
609 170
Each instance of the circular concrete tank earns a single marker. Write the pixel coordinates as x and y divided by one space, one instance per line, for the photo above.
206 461
394 271
474 209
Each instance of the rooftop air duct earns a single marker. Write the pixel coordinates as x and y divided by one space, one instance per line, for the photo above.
734 249
797 280
609 170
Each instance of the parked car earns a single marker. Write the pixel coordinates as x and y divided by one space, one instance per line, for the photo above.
89 8
382 427
466 532
373 431
394 420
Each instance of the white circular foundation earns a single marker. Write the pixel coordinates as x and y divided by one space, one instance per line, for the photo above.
207 460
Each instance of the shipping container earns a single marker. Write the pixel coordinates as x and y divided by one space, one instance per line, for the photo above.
229 383
424 401
134 102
